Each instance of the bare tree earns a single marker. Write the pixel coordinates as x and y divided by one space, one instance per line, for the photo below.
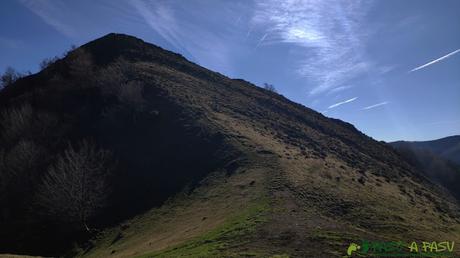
9 77
70 50
18 174
20 161
15 123
269 87
75 188
47 62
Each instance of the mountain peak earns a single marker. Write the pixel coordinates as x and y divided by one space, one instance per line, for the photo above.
119 36
115 45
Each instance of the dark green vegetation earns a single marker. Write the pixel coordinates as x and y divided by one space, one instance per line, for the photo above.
199 165
438 159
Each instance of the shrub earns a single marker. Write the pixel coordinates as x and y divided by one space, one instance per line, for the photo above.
117 80
269 87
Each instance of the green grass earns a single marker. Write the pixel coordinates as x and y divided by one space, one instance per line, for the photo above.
235 231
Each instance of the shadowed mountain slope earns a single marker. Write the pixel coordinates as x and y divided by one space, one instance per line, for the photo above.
205 165
447 148
439 160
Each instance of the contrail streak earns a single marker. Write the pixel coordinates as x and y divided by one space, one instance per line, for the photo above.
435 61
343 102
262 39
376 105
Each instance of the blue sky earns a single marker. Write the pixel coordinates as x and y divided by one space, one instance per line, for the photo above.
391 68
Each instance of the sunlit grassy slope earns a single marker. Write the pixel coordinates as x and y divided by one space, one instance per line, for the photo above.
304 185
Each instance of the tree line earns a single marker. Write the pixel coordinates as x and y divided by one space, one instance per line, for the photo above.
70 187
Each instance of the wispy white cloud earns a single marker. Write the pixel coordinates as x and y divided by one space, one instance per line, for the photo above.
52 13
338 89
330 31
375 105
435 61
342 102
185 29
160 18
386 69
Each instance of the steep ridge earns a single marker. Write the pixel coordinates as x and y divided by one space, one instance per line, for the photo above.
265 176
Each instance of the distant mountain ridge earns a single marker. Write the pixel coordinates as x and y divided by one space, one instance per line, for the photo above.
437 159
447 147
